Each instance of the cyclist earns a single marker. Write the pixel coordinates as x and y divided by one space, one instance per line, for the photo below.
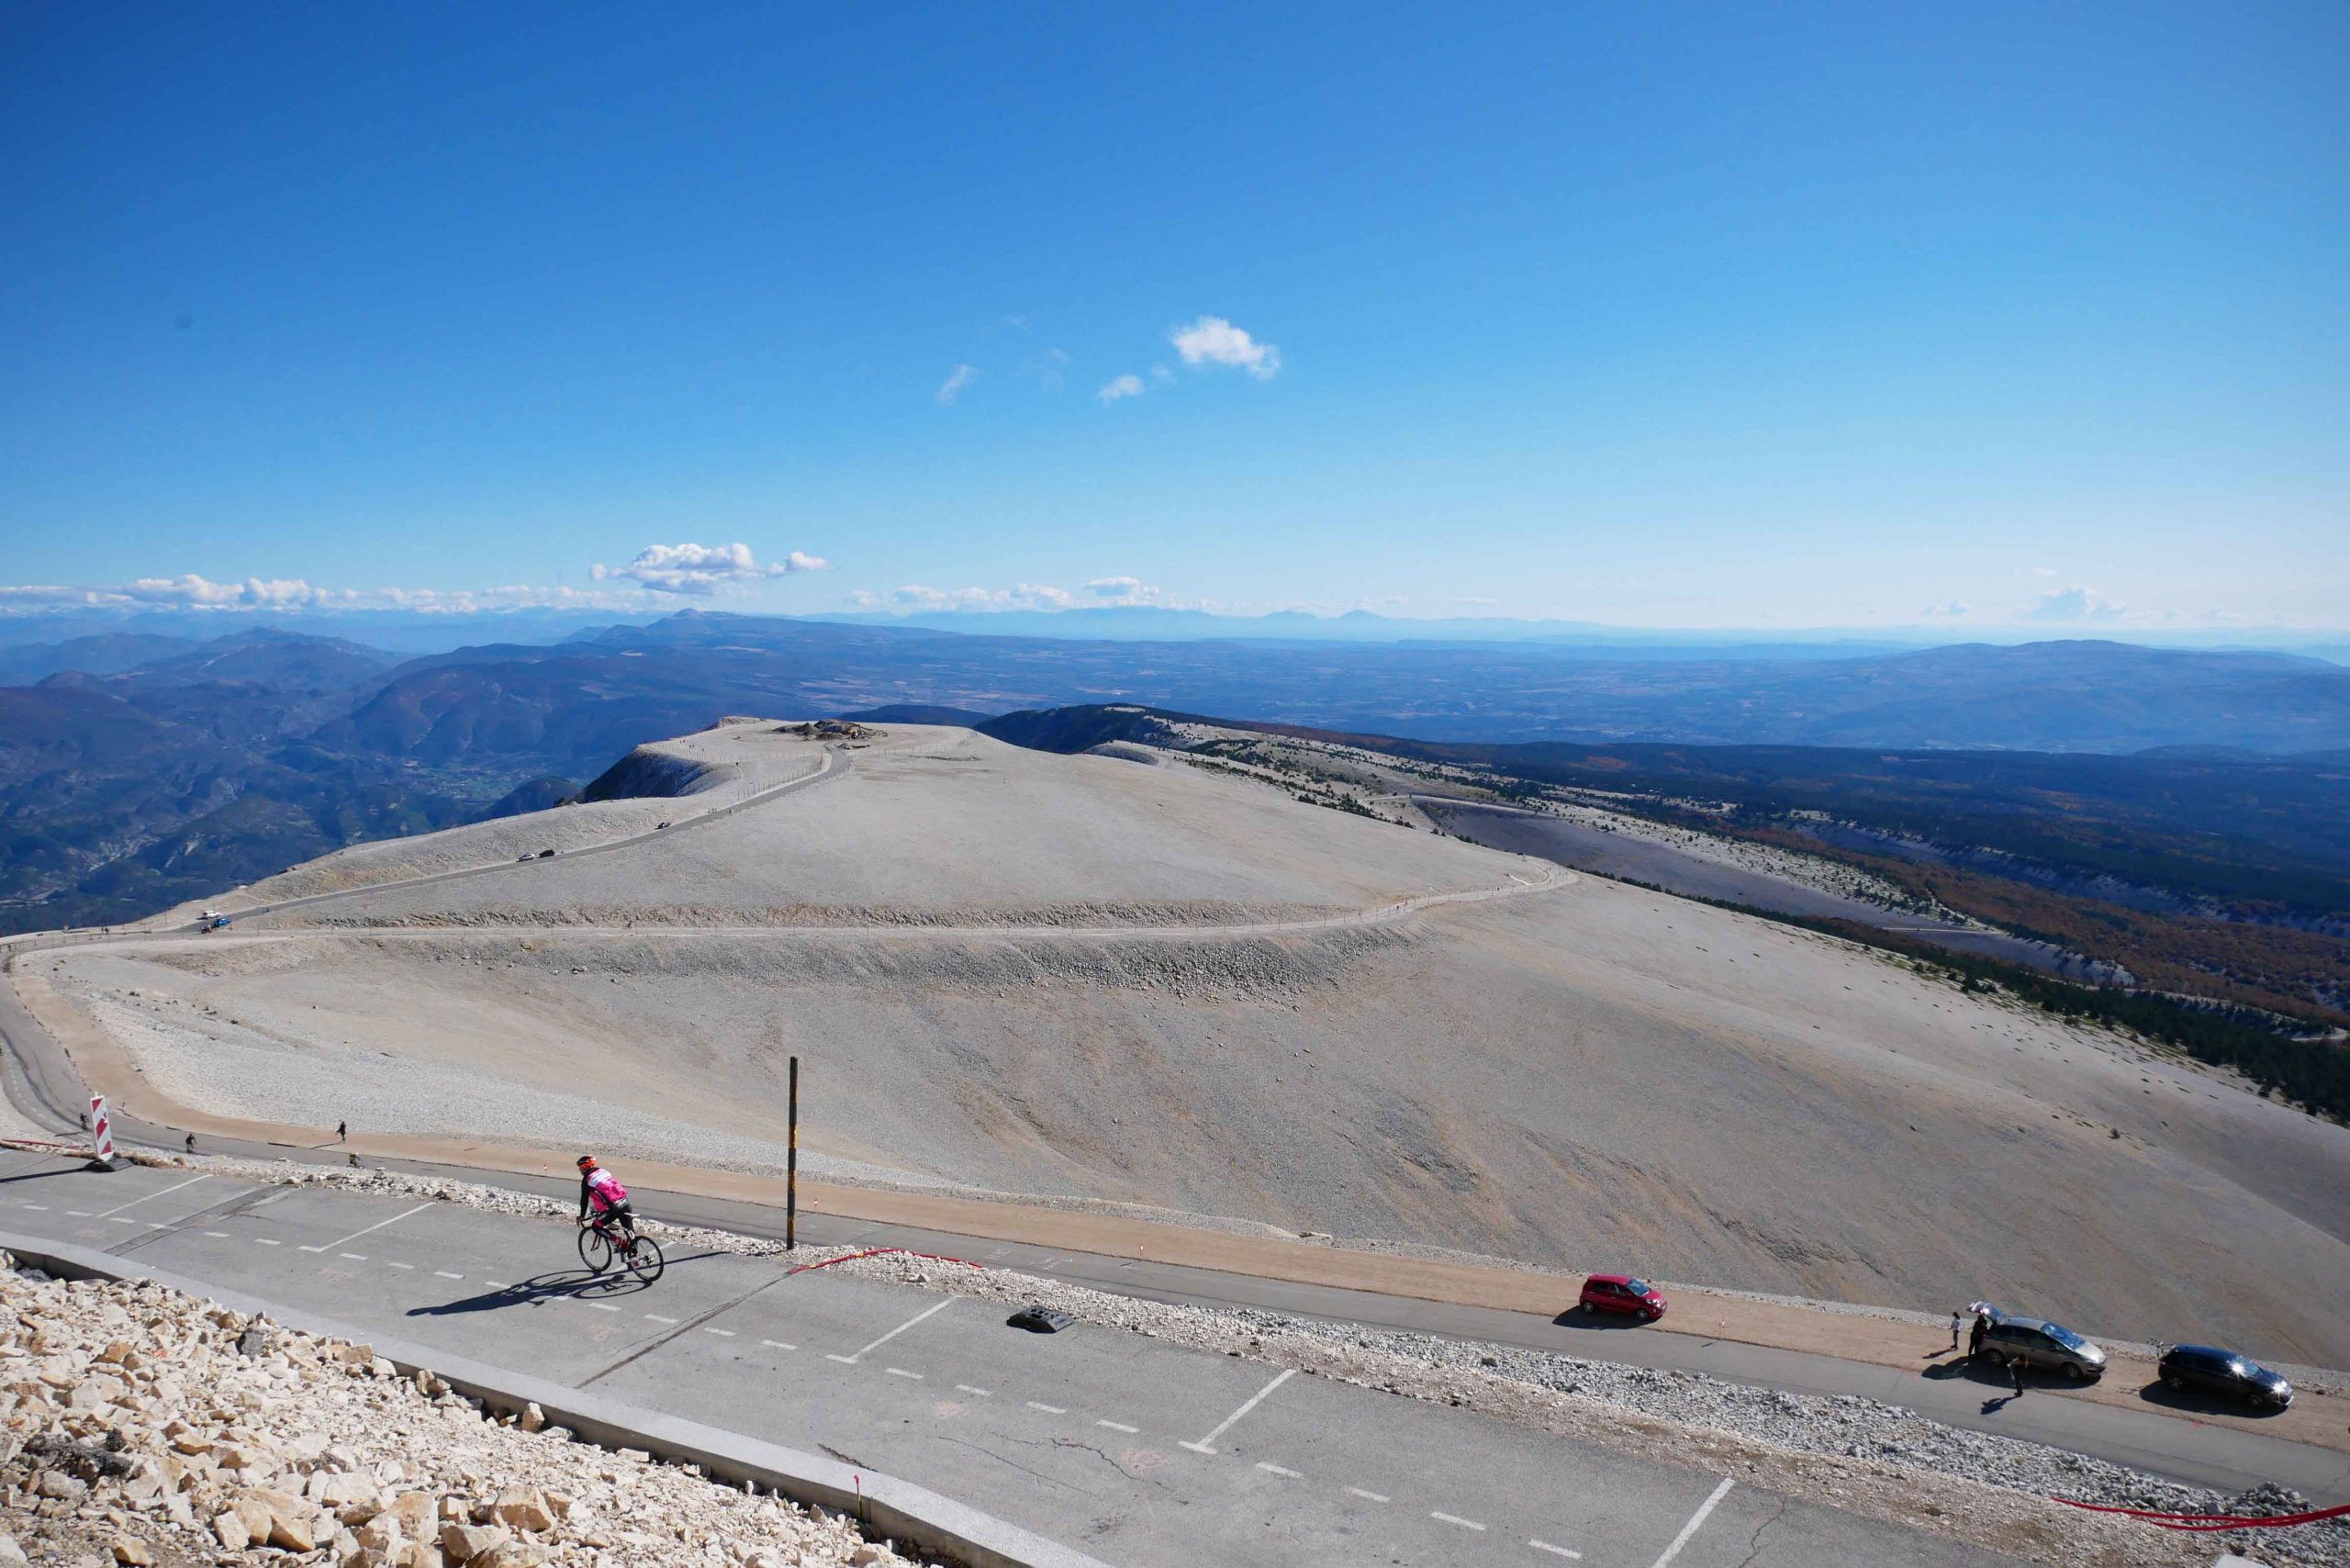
601 1190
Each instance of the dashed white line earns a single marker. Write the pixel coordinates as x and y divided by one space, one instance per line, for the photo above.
1277 1470
1047 1409
264 1241
1207 1444
777 1345
975 1392
354 1257
399 1265
118 1221
900 1371
43 1207
493 1285
153 1226
1369 1496
346 1240
79 1213
1455 1519
1555 1551
603 1306
658 1318
217 1235
893 1333
1119 1427
445 1274
722 1333
1695 1520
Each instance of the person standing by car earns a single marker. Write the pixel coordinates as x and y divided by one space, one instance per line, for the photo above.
1956 1322
2015 1370
1974 1339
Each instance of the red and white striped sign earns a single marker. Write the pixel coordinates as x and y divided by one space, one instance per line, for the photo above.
101 1130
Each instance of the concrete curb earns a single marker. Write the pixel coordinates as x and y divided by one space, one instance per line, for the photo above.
887 1506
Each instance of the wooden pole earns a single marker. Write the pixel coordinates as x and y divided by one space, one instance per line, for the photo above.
791 1169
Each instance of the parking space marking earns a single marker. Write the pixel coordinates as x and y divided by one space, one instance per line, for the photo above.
1207 1444
43 1207
1696 1521
777 1345
118 1221
1369 1496
909 1323
1555 1551
163 1192
354 1257
975 1392
445 1274
900 1371
722 1333
217 1235
1454 1520
658 1318
380 1225
1047 1409
1119 1427
79 1213
603 1306
1277 1470
264 1241
399 1265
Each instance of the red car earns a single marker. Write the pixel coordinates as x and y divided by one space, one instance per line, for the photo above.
1622 1293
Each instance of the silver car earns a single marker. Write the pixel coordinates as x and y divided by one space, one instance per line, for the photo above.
2040 1344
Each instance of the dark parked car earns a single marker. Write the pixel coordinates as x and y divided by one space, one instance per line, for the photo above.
2215 1370
2040 1344
1623 1294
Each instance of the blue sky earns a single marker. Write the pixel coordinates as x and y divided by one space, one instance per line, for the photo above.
1765 316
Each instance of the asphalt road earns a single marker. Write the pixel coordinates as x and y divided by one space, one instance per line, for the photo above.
1136 1450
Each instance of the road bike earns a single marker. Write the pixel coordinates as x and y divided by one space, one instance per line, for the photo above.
600 1242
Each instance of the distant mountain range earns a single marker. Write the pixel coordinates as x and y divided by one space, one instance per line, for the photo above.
138 767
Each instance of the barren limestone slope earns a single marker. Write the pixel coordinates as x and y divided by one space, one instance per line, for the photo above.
1086 977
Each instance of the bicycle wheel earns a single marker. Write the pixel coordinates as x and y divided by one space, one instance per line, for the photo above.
595 1249
644 1260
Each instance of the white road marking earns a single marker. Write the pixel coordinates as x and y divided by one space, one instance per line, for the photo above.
79 1213
722 1333
172 1188
152 1226
264 1241
380 1225
43 1207
354 1257
217 1235
1455 1519
603 1306
1369 1496
658 1318
493 1285
777 1345
1119 1427
1277 1470
975 1392
399 1265
118 1221
900 1371
1047 1409
893 1333
1554 1551
1206 1444
1695 1520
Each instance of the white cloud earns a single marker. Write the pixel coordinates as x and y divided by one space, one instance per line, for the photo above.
1954 607
2075 603
1211 340
1123 590
1161 374
1123 387
1027 595
962 375
704 568
292 595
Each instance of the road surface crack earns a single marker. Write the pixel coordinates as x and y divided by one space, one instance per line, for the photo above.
1754 1541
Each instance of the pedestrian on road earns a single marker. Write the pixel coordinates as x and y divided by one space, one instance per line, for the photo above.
84 1118
342 1132
1956 1323
191 1143
2015 1366
1974 1339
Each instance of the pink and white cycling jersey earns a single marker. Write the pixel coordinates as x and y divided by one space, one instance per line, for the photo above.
604 1189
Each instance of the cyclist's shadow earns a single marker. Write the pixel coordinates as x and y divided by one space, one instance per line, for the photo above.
577 1285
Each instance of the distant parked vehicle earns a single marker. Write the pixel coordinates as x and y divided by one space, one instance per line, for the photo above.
2215 1370
211 920
1624 1294
2037 1343
658 826
526 855
546 854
